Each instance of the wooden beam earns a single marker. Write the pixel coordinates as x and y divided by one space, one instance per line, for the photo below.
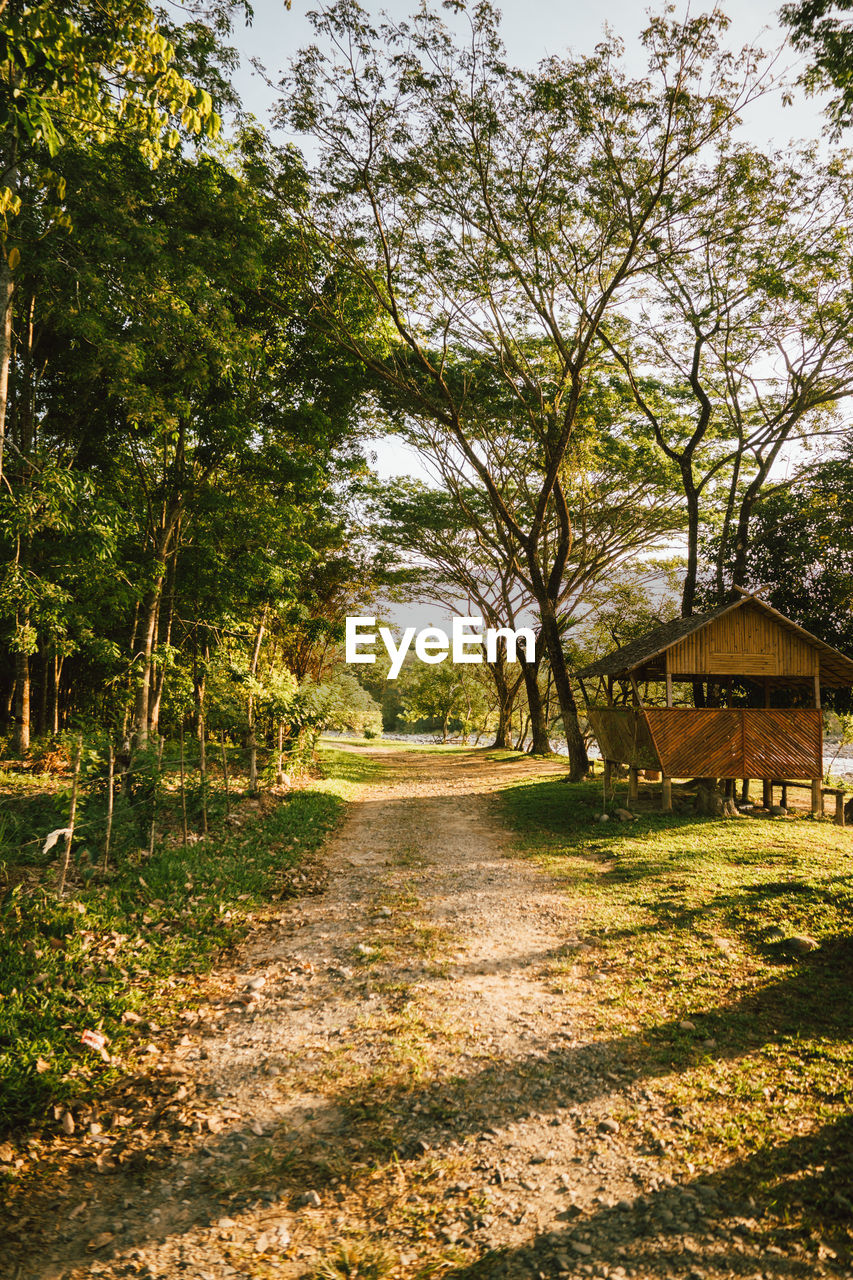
666 794
766 792
638 702
669 689
608 778
817 798
633 785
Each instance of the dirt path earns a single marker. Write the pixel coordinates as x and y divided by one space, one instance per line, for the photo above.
388 1084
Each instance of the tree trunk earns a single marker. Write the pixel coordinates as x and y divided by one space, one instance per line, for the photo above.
578 758
688 595
43 689
158 673
506 698
57 673
7 297
541 744
21 735
150 614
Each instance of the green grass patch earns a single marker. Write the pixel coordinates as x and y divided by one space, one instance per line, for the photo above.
117 943
683 962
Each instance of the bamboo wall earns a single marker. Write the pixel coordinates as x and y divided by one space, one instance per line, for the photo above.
692 742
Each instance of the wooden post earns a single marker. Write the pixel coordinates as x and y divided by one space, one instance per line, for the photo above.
608 779
666 794
767 792
153 832
69 834
669 689
183 790
817 797
783 799
202 766
744 790
279 772
633 785
839 809
225 777
110 789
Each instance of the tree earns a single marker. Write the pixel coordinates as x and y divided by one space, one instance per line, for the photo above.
742 344
802 551
503 215
76 71
817 29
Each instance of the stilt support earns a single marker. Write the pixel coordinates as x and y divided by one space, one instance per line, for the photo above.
666 794
767 792
633 786
817 798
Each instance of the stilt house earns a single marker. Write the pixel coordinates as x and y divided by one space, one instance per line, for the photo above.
761 676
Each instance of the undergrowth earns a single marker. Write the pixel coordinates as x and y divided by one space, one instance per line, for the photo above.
116 942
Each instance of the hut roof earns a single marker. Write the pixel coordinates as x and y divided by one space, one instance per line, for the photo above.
835 669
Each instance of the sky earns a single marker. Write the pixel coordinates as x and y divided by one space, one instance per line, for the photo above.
533 29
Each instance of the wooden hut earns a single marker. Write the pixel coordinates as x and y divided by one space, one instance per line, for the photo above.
761 676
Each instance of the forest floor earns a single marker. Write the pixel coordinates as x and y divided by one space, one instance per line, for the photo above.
494 1039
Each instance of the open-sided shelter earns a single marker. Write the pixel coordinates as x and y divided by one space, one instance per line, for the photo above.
762 676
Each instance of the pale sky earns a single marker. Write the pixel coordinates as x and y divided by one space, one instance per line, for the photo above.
533 29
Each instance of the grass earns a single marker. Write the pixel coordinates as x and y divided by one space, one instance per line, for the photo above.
115 943
683 921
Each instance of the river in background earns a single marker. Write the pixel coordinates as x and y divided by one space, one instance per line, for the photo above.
841 768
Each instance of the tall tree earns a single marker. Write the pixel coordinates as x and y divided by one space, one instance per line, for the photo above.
484 208
743 345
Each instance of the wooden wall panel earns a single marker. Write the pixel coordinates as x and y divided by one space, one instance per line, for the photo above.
743 642
783 744
697 742
735 743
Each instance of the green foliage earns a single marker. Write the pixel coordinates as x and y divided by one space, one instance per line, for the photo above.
351 707
821 29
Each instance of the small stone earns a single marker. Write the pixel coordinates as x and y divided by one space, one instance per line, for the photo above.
68 1125
774 935
384 911
710 1043
255 984
310 1199
800 944
100 1241
609 1125
7 1153
778 810
687 1025
579 1247
624 815
604 817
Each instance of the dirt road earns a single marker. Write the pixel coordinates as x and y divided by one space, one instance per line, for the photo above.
388 1083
